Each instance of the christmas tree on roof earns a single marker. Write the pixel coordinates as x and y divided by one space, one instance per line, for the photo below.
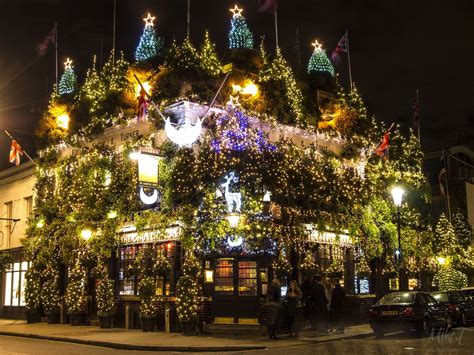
239 35
68 81
208 55
149 44
319 61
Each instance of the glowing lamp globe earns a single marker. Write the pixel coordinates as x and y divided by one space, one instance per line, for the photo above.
86 234
146 86
63 121
397 195
250 89
441 260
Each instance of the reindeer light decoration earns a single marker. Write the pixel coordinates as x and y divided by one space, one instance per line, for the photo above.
233 199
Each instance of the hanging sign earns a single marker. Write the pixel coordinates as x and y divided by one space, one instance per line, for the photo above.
148 161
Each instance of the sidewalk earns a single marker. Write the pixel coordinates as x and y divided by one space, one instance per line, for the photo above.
119 338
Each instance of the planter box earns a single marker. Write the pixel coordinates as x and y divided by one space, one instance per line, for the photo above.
33 317
77 319
53 318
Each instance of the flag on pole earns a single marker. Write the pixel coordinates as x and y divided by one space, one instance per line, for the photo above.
267 5
142 106
443 176
383 147
49 39
340 48
15 152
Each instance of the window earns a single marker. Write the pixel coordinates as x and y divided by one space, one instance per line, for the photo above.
28 207
247 278
15 284
224 284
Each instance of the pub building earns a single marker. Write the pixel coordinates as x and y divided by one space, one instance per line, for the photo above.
237 271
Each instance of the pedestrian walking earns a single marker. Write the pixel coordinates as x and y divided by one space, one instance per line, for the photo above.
319 303
328 288
337 306
273 306
293 299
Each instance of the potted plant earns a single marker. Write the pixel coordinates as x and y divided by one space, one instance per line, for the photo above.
148 306
105 302
187 304
50 297
76 300
33 295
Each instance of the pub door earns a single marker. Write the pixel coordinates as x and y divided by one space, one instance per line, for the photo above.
237 287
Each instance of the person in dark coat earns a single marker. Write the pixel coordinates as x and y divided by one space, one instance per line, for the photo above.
337 306
320 305
306 297
293 302
273 304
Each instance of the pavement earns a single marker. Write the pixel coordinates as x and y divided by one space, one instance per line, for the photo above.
119 338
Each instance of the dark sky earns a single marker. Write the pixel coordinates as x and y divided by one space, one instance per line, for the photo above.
396 47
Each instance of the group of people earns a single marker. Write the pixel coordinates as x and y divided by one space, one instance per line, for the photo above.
318 300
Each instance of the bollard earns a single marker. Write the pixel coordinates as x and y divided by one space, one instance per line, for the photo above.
167 320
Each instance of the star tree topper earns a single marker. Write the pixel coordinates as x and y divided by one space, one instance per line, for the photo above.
236 11
67 64
149 20
316 45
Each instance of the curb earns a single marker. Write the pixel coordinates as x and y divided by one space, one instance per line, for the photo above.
121 346
348 337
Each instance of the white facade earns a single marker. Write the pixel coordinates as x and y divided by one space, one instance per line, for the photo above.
16 202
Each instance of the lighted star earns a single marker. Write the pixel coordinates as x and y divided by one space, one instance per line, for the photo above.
233 101
67 64
149 20
236 11
316 45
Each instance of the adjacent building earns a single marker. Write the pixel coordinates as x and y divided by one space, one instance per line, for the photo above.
16 206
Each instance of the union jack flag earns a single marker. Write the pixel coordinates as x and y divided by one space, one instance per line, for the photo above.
15 153
340 48
142 106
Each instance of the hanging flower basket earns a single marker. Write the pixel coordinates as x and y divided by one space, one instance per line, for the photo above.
337 268
362 268
162 266
281 267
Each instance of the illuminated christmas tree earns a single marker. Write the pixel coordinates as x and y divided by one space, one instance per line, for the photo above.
208 56
319 61
149 44
68 81
239 35
462 229
445 237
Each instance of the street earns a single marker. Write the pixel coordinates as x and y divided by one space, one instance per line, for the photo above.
459 341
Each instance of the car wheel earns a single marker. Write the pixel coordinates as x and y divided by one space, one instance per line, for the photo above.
425 327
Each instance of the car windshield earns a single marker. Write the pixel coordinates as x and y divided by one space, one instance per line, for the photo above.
394 298
441 296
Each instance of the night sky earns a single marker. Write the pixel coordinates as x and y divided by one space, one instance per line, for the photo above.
396 47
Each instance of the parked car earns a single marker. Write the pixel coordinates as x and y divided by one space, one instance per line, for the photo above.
408 310
469 291
460 306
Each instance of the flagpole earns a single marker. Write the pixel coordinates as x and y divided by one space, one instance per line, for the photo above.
447 186
24 151
56 48
349 59
113 32
188 21
418 114
276 26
